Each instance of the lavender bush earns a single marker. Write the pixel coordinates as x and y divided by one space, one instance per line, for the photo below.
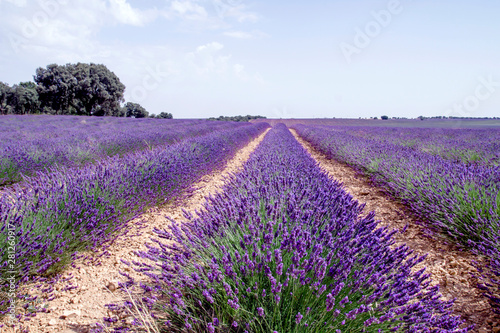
34 143
459 198
285 249
55 214
462 145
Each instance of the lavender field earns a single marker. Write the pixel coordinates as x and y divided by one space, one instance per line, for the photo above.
465 145
55 213
448 177
29 144
282 247
285 249
234 166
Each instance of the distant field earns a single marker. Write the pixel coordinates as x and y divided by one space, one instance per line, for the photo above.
30 144
283 247
58 203
427 123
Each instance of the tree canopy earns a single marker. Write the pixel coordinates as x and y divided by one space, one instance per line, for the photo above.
71 89
237 118
5 96
164 115
135 110
19 99
80 89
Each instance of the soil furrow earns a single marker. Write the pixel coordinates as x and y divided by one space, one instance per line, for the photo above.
449 266
97 277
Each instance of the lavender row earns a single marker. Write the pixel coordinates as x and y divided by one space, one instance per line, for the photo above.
49 217
285 249
461 145
461 200
36 142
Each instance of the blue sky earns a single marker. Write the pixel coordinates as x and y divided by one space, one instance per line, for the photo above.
280 59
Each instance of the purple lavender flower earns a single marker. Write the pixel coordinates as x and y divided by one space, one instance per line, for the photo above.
93 205
233 304
298 318
330 302
282 201
279 269
208 296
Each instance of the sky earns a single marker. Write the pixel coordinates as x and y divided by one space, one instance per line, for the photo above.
279 59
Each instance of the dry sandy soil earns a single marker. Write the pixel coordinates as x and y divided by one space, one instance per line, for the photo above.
97 279
79 309
449 266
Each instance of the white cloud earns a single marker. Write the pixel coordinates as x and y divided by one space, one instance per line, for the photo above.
64 25
239 71
207 60
69 32
260 79
238 34
199 15
124 13
188 10
245 34
234 9
52 25
73 32
18 3
214 46
246 17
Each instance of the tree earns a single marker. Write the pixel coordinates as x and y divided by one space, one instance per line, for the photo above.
99 90
24 99
135 110
118 112
384 117
56 88
165 115
236 118
82 89
5 98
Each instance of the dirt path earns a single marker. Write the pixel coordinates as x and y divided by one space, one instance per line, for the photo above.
449 266
79 309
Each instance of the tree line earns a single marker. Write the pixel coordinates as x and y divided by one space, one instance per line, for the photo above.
236 118
71 89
